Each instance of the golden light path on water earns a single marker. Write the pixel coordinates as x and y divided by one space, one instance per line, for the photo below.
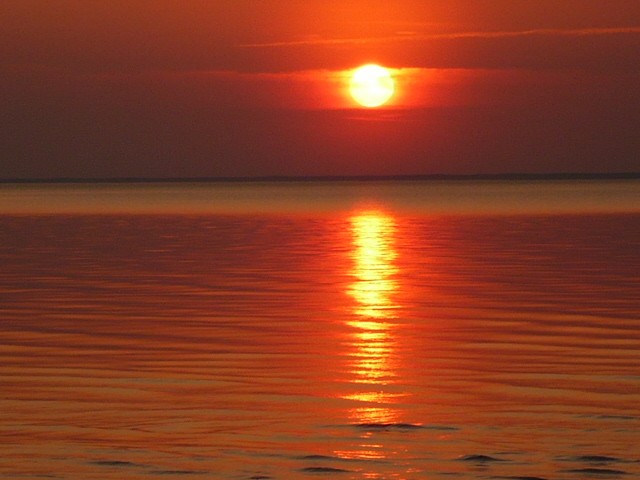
374 289
374 269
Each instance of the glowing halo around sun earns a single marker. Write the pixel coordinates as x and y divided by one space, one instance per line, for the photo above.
371 85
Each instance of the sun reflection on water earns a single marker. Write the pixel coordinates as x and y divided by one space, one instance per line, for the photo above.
374 270
372 338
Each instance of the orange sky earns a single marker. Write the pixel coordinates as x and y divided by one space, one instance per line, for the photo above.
161 88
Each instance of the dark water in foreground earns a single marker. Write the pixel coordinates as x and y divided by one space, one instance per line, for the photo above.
358 341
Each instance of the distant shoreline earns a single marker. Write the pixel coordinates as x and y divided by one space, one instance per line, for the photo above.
333 178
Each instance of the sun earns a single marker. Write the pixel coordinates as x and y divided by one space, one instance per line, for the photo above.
371 85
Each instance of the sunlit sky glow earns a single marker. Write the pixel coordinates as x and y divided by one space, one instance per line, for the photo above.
169 88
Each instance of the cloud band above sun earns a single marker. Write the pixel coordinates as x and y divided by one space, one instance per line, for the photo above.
415 36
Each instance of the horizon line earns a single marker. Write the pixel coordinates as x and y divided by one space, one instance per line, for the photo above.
332 178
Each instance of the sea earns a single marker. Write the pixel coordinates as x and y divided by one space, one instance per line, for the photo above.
414 329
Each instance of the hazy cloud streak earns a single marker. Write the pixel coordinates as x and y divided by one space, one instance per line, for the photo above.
446 36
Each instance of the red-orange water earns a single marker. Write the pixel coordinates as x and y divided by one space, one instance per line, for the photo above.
369 343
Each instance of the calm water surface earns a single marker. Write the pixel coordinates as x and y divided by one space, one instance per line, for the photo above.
360 340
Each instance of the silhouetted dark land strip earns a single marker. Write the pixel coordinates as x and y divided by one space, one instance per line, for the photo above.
356 178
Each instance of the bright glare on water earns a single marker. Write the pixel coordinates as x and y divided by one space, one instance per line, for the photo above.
381 332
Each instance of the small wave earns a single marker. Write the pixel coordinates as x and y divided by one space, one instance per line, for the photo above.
324 458
115 463
475 458
125 464
28 475
388 426
177 472
617 417
443 428
610 417
597 459
320 457
517 477
598 471
324 470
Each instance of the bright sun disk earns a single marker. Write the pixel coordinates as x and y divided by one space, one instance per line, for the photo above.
371 85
